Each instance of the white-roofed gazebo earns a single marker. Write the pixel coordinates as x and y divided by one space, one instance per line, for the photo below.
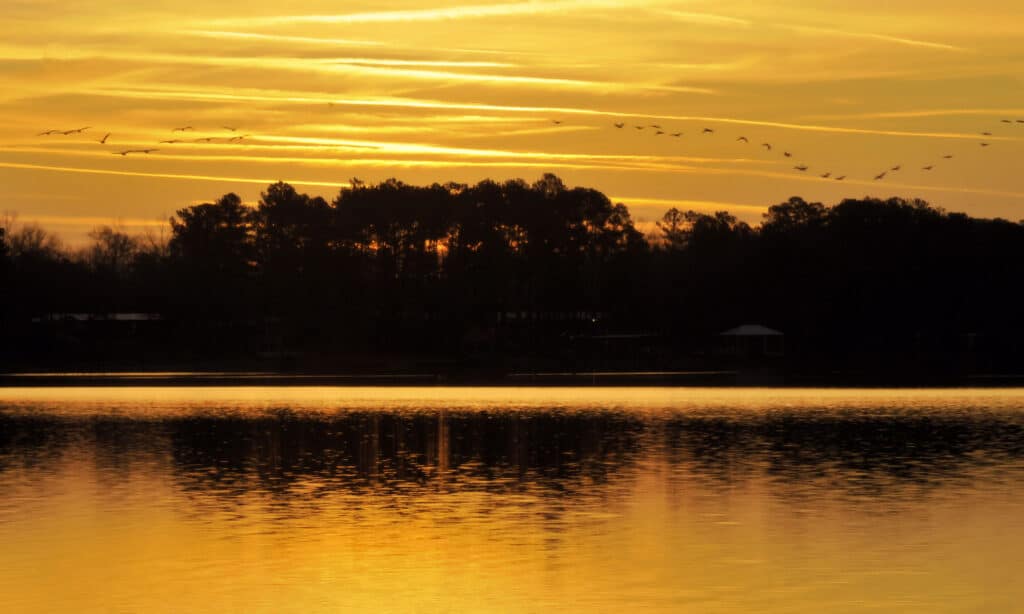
752 340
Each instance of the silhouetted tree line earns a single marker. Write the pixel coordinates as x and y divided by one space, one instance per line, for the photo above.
515 275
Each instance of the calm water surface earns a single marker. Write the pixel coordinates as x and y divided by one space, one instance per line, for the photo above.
244 499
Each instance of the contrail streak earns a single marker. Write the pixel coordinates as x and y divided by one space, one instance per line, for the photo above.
922 113
869 35
347 42
547 110
511 9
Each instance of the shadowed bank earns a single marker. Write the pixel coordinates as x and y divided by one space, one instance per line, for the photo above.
479 282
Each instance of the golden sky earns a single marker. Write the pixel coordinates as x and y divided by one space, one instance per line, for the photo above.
326 90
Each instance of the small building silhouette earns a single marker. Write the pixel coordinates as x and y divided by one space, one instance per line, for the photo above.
752 340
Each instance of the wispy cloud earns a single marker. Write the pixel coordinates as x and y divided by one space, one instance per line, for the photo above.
315 41
410 103
285 38
199 94
918 113
420 63
191 177
868 35
414 103
344 153
532 131
336 158
395 147
93 221
704 18
741 22
386 68
449 13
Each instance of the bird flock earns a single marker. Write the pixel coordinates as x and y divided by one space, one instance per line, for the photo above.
234 138
657 130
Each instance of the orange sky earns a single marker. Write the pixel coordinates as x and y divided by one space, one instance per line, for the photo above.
465 91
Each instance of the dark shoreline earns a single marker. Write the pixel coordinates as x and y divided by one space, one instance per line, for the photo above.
681 379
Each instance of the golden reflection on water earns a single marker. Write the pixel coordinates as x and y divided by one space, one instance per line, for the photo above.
163 401
510 499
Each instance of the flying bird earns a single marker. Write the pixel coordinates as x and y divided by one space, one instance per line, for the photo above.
927 168
1006 121
787 154
183 129
1020 121
75 131
707 131
639 127
896 168
880 176
173 141
986 134
801 168
742 138
826 175
229 128
556 122
618 125
236 139
767 146
103 141
677 134
984 144
840 178
205 139
947 157
659 132
655 126
131 151
49 132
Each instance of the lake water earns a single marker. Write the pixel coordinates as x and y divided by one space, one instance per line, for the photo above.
334 499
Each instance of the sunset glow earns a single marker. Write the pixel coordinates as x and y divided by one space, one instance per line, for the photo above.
316 93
